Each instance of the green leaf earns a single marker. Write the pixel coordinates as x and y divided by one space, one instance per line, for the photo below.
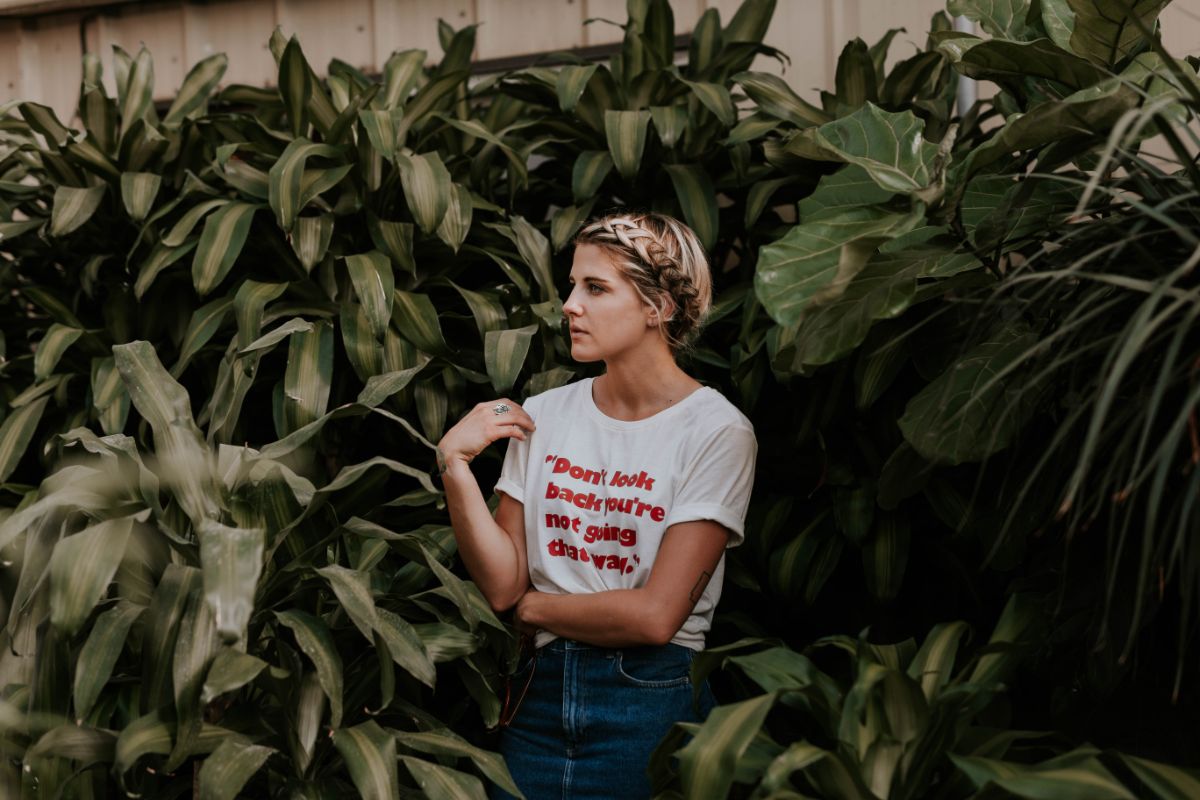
314 639
177 585
447 743
138 190
975 407
230 670
776 98
590 170
295 86
889 146
504 353
625 132
457 222
1105 32
1004 19
698 198
160 258
439 782
417 319
310 239
137 99
885 556
232 560
75 743
1084 780
716 99
707 764
534 248
100 653
395 239
226 770
669 121
427 188
50 349
933 665
11 230
183 228
221 243
1166 781
572 80
567 222
370 755
406 646
1059 21
288 175
43 120
73 207
375 285
195 648
1000 60
814 262
203 325
196 88
400 75
81 568
307 381
855 81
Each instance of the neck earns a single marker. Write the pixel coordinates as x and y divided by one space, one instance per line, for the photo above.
642 384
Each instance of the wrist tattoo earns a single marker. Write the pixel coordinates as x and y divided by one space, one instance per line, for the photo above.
698 589
442 464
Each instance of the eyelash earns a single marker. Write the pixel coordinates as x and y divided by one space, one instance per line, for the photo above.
598 287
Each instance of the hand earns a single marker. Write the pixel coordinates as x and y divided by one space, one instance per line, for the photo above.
480 427
525 612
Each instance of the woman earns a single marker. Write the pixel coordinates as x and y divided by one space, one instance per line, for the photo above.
618 498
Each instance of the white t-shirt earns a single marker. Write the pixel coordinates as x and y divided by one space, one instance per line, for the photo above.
599 493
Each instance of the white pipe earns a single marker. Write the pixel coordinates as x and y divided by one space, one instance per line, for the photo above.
967 89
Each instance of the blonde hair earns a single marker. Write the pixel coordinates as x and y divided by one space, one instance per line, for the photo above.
666 264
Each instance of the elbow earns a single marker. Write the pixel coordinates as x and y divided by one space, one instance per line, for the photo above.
661 632
502 603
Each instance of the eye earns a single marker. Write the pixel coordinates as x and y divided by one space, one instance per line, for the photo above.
595 288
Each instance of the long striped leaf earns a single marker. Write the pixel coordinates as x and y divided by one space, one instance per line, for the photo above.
1166 781
405 646
138 97
75 743
149 734
776 98
698 198
488 311
232 560
381 126
100 653
295 85
81 568
934 662
432 406
400 75
446 743
590 170
197 86
534 248
43 120
15 434
370 755
375 284
286 179
138 190
669 121
359 343
457 222
504 354
230 671
310 239
227 769
417 319
307 380
159 259
313 636
707 764
195 648
427 188
221 243
183 228
203 325
395 239
759 195
440 782
73 207
625 132
177 585
716 99
429 96
572 80
110 399
277 335
885 556
51 347
11 230
248 305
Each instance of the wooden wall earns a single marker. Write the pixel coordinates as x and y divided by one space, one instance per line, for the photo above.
40 52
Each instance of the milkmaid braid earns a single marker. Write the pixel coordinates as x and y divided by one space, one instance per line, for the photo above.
666 264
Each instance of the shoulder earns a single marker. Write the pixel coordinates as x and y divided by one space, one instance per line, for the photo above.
559 397
711 414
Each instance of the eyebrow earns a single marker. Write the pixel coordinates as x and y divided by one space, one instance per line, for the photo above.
588 278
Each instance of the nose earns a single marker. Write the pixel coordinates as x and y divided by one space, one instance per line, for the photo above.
571 306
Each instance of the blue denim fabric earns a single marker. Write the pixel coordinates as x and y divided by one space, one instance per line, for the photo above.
592 717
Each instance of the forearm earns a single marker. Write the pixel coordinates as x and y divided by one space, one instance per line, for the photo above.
486 549
614 618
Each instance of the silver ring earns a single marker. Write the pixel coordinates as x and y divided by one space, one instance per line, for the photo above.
501 408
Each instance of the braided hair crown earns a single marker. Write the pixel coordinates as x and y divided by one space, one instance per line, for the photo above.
666 264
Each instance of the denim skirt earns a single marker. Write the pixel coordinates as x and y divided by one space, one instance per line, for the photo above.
592 716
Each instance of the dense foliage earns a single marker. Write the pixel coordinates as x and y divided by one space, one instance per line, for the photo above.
232 329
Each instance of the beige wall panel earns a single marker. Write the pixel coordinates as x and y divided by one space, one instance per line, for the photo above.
51 63
1181 28
412 25
241 29
800 28
329 30
10 62
511 28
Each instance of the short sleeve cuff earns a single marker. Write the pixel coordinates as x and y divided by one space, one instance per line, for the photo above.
717 513
510 488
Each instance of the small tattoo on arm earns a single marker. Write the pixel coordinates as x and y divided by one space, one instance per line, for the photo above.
441 462
698 589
